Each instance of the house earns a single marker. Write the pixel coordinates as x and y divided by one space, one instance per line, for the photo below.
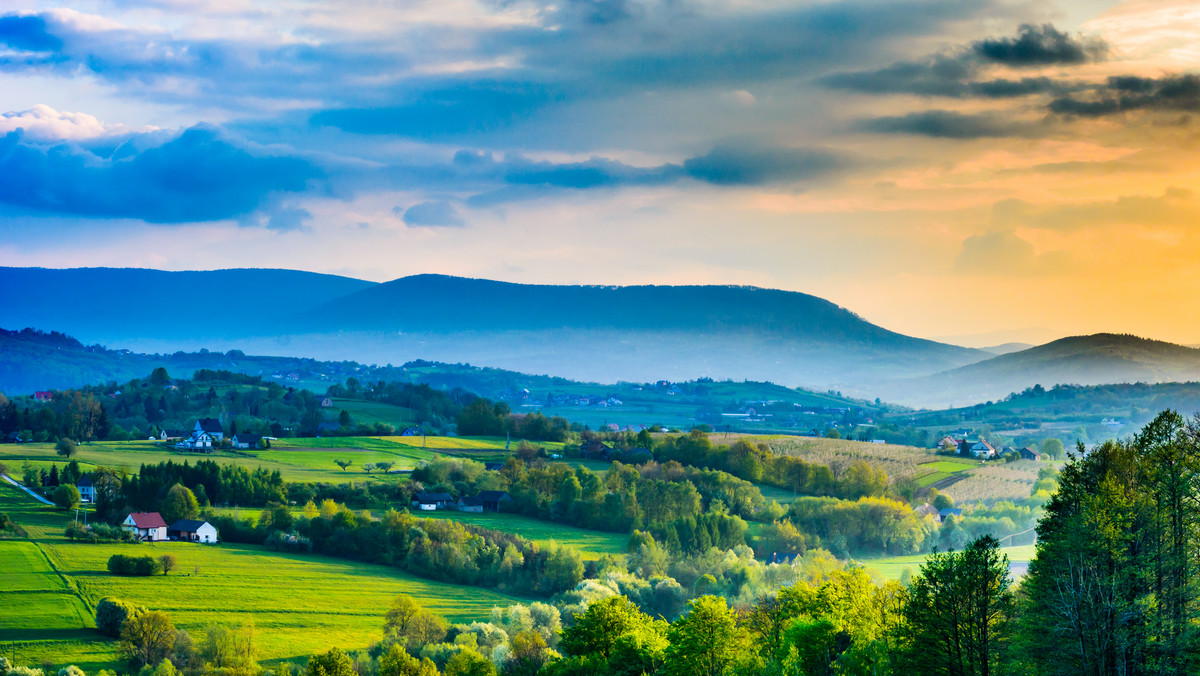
471 504
949 512
326 402
493 466
168 435
977 449
595 449
210 426
413 431
87 489
148 526
1028 453
43 396
491 500
198 441
929 510
247 441
192 531
432 501
947 444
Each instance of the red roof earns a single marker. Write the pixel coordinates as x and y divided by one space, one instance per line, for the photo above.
148 520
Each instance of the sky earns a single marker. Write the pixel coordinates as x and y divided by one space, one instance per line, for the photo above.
977 170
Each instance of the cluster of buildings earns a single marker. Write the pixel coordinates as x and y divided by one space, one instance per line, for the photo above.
484 501
207 434
150 527
982 450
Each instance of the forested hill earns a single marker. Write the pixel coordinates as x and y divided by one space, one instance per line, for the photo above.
110 304
592 333
1078 360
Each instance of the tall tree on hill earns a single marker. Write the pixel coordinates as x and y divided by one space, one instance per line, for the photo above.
180 503
956 618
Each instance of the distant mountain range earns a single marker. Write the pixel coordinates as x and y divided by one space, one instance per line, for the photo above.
584 333
590 333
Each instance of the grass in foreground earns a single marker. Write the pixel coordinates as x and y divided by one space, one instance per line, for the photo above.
298 604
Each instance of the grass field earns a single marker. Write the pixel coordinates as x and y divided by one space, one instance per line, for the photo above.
591 543
892 567
298 604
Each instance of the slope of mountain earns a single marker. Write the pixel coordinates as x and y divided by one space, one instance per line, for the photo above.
114 305
1079 360
589 333
1006 348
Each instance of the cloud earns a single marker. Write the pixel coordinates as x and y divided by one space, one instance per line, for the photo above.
1131 93
290 219
945 124
27 33
433 214
730 164
1174 207
1003 252
1042 45
43 123
961 72
198 175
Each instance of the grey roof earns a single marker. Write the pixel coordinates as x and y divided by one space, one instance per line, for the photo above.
187 524
433 497
493 496
248 438
210 425
950 511
86 480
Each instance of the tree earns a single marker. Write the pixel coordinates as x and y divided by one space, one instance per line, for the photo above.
344 419
397 662
1052 447
528 655
66 496
956 619
598 628
65 447
706 641
167 562
148 637
180 503
159 377
343 463
411 626
333 663
111 614
468 662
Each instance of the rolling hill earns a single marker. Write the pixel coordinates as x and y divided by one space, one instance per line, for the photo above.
590 333
1078 360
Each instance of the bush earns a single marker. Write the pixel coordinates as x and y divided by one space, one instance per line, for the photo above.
120 564
25 671
99 532
111 613
71 670
66 496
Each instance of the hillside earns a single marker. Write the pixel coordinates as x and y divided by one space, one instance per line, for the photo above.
1080 360
636 333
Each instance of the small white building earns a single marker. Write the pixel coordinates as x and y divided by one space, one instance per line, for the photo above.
148 526
87 488
193 531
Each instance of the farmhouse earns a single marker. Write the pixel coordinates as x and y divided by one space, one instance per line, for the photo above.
978 449
1028 453
168 435
247 441
595 449
929 510
413 431
199 441
193 531
43 396
87 489
432 501
148 526
471 504
947 444
492 500
211 426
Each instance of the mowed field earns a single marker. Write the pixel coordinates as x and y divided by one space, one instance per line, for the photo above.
310 459
297 604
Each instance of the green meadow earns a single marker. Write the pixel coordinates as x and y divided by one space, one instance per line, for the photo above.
592 544
297 604
892 567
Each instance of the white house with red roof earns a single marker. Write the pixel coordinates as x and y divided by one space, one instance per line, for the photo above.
148 526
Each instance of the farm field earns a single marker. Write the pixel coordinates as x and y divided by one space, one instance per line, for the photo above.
892 567
297 604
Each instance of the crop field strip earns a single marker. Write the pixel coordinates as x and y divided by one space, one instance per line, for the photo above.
298 604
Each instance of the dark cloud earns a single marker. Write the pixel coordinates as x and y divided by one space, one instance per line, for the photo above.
960 73
1130 93
944 124
27 32
434 214
1041 46
755 165
198 175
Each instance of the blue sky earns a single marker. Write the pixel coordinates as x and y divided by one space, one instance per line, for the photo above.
943 168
